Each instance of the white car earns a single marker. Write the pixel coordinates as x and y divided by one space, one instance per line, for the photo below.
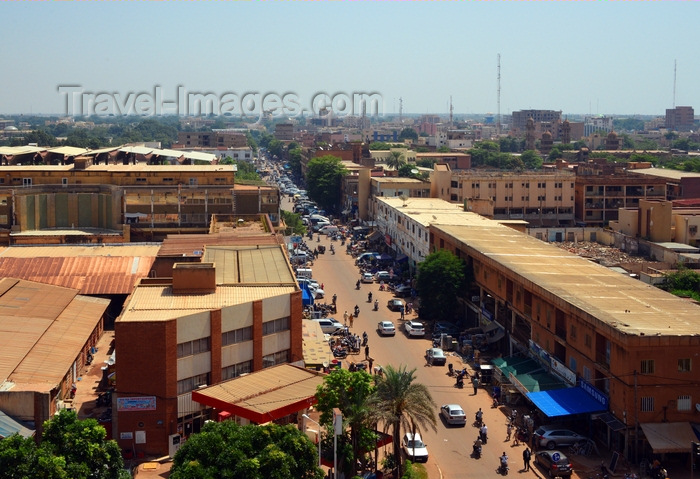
414 328
414 448
453 414
386 328
367 278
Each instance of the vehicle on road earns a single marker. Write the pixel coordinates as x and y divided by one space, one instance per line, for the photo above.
402 291
367 278
555 463
395 304
453 414
386 328
414 328
553 437
382 276
435 357
413 447
329 325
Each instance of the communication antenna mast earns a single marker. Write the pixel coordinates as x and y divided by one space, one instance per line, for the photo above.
674 83
498 113
400 109
451 109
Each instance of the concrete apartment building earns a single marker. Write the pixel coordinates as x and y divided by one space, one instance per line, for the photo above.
284 131
680 118
236 312
46 334
626 348
660 221
539 116
544 198
603 188
394 187
212 139
457 161
680 185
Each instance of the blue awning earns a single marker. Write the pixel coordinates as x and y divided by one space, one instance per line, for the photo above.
565 402
9 426
306 298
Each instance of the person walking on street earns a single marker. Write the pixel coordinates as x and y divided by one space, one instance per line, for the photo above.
370 362
367 352
402 312
475 383
526 459
345 318
351 318
483 433
509 431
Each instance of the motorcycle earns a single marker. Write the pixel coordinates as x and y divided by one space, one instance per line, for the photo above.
369 297
476 451
503 469
357 311
450 370
376 305
332 250
478 420
459 384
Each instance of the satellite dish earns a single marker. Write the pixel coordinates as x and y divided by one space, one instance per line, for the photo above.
414 171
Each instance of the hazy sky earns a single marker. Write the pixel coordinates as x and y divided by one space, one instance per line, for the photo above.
579 57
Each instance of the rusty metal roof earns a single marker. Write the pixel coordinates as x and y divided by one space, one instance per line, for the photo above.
42 330
94 275
264 395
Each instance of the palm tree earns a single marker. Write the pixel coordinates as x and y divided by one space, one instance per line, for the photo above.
395 160
399 403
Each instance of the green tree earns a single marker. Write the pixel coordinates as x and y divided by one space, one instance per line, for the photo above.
443 149
349 392
227 450
441 277
531 160
406 171
554 154
20 458
408 134
251 142
293 222
275 147
323 177
379 145
295 161
396 159
684 282
400 403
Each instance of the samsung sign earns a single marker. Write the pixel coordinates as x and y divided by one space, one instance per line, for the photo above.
593 391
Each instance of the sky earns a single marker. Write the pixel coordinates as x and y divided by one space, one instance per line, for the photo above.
580 57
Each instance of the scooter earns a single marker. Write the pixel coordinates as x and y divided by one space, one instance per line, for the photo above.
476 451
503 469
357 311
459 384
376 305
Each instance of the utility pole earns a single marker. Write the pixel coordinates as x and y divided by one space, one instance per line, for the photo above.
675 62
636 421
400 109
451 109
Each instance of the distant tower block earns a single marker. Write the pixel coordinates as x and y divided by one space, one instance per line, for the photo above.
566 132
546 143
530 134
612 142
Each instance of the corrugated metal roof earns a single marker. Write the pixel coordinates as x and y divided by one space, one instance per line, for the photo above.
42 329
94 275
68 150
63 251
196 155
626 304
157 302
268 390
249 264
187 245
20 150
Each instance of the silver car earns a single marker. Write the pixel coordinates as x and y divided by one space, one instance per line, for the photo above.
553 437
453 414
386 328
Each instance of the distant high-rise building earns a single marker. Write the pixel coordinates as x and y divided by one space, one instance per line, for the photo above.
593 124
680 118
521 117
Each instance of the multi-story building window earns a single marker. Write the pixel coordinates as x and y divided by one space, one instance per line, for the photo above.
683 403
275 326
191 348
237 336
279 357
647 366
684 365
647 404
236 370
190 384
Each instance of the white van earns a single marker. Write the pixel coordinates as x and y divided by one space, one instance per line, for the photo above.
304 273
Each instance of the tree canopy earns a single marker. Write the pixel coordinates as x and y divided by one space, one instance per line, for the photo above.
227 450
441 276
396 159
408 134
69 449
323 177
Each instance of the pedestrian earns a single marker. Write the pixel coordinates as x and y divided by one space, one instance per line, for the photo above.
367 352
322 287
526 459
402 312
483 432
509 431
345 318
475 383
335 298
370 362
516 437
351 319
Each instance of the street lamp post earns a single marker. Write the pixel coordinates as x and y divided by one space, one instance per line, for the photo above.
306 416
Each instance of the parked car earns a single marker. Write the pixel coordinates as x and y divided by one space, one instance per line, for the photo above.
414 448
555 463
382 276
435 357
403 290
553 437
414 328
386 328
453 414
367 278
329 325
395 304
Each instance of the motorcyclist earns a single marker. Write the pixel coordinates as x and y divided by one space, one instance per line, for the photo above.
504 462
479 416
357 285
376 305
369 297
477 446
357 310
332 250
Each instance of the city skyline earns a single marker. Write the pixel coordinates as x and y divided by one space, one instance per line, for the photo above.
577 57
